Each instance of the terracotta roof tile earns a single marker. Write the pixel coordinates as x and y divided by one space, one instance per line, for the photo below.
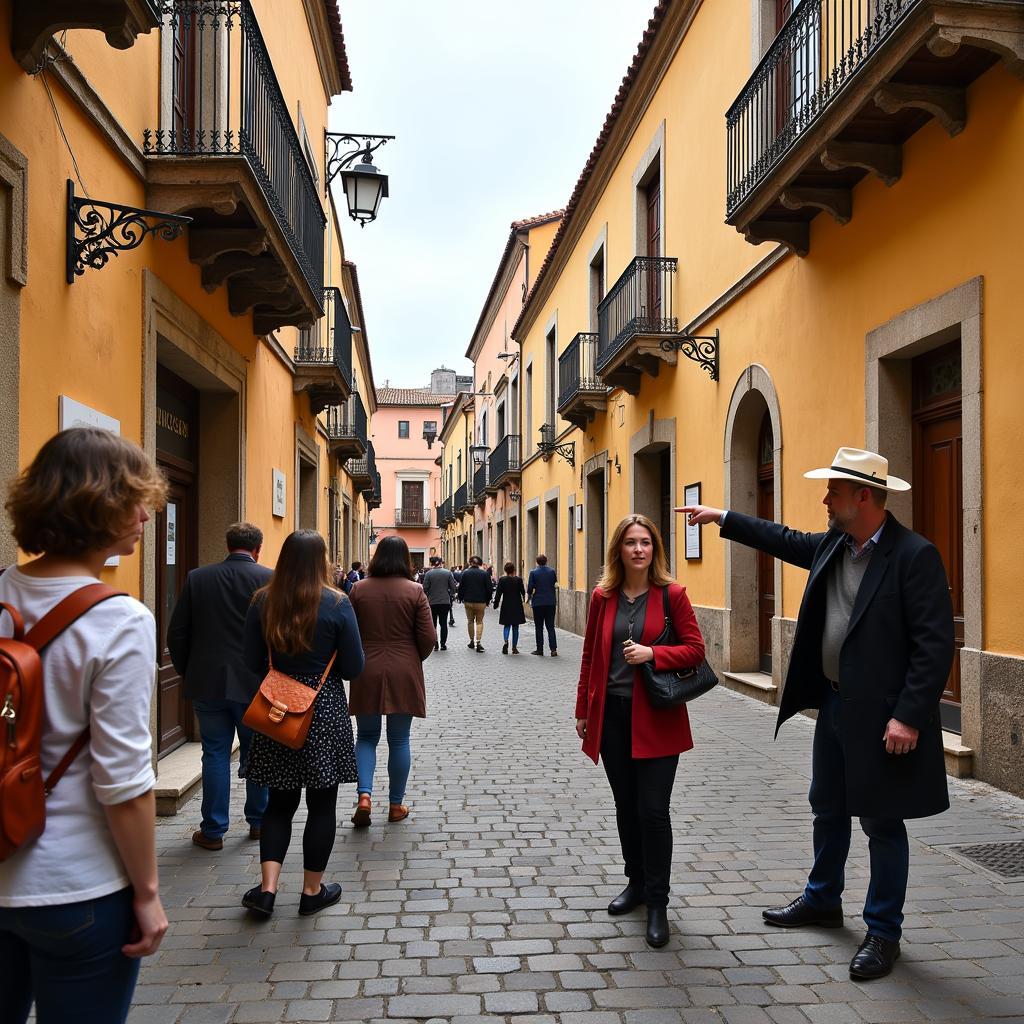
412 396
340 53
655 22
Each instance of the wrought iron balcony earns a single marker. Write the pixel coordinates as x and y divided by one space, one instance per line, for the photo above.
505 464
632 320
842 87
362 470
323 357
444 513
463 501
346 429
373 493
481 482
412 517
581 391
34 23
227 153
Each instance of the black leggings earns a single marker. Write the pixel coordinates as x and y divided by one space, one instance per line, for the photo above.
318 836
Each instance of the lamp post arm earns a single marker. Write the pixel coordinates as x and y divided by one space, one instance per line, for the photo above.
343 148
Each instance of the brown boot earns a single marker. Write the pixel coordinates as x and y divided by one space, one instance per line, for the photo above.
397 812
361 818
200 838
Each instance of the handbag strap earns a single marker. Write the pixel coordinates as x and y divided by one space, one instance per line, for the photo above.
665 606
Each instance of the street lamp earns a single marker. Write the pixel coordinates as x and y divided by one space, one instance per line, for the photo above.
479 453
429 433
364 184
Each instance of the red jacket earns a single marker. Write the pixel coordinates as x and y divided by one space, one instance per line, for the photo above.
657 732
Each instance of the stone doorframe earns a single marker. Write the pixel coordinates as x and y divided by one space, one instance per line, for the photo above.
888 352
207 361
593 551
650 439
13 277
742 428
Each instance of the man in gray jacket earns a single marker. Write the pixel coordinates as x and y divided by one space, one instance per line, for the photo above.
439 586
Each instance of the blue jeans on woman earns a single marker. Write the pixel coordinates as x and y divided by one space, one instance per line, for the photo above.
514 630
67 958
399 753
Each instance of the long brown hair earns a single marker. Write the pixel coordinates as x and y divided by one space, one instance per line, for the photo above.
291 600
613 574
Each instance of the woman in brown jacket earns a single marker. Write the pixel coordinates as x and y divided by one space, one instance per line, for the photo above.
398 636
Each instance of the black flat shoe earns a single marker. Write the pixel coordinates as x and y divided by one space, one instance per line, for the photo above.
328 895
800 914
657 927
874 958
629 899
259 902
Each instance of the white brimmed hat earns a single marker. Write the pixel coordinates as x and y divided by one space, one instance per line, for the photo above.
862 467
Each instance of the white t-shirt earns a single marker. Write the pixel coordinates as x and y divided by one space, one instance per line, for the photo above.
99 672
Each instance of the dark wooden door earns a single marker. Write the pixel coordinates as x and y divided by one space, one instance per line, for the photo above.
412 502
654 296
765 563
938 488
183 94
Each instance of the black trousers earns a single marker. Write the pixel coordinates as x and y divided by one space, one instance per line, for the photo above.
439 613
544 617
318 836
642 787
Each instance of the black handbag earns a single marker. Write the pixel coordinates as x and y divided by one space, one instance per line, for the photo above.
671 687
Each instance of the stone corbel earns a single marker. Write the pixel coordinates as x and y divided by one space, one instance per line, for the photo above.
794 234
947 103
884 160
835 201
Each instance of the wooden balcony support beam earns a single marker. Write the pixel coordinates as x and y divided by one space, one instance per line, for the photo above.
947 103
1000 36
884 160
835 201
794 234
206 244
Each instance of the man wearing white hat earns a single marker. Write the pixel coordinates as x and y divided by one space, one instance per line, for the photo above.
872 653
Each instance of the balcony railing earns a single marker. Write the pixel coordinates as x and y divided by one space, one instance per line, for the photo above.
330 341
225 101
444 512
373 493
346 428
481 481
504 459
577 370
363 470
412 517
639 303
463 502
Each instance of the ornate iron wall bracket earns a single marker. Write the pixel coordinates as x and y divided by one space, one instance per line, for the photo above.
338 157
567 451
701 348
97 230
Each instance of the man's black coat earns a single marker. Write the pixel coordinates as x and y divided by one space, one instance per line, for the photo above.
894 662
204 636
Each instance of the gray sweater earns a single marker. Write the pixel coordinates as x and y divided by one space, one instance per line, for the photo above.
439 586
844 581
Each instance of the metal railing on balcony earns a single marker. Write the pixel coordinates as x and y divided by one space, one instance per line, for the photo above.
363 469
373 493
348 420
640 302
412 517
330 340
505 457
577 369
481 480
821 47
444 512
225 100
462 499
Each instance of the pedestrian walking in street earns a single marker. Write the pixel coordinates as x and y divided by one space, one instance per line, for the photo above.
398 636
509 595
475 594
298 623
355 574
639 745
204 638
79 905
457 576
872 654
440 588
541 590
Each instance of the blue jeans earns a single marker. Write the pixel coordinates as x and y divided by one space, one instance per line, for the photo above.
218 721
544 616
399 753
514 630
68 959
888 847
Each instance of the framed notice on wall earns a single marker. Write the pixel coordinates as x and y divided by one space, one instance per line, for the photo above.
691 496
280 494
579 517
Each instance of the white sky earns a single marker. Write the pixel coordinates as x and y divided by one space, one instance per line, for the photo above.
496 108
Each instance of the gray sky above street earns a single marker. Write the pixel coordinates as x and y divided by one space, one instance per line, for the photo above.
495 108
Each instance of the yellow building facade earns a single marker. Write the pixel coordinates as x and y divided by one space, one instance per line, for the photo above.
455 514
235 352
863 290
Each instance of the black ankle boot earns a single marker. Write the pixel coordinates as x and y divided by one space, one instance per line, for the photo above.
657 926
629 899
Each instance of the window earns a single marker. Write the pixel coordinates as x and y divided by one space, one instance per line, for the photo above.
550 377
596 286
403 428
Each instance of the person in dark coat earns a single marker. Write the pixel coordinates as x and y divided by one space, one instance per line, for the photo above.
540 588
398 636
509 595
204 638
872 653
474 591
440 588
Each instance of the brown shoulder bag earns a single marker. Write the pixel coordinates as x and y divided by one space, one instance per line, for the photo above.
283 707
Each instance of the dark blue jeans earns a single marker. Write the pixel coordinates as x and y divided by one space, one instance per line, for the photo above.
218 721
888 847
544 616
68 959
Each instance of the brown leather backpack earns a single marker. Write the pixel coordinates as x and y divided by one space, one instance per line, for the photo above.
23 791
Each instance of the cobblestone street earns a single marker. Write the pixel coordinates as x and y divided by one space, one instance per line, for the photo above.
488 902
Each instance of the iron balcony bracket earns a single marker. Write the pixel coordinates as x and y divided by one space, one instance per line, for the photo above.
339 157
97 230
567 451
703 349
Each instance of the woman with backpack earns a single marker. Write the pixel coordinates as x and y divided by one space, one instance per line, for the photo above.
302 626
79 905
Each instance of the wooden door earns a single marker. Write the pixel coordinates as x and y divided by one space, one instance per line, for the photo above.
653 296
183 93
412 502
938 488
765 563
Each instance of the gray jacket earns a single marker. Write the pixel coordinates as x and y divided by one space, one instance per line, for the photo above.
439 586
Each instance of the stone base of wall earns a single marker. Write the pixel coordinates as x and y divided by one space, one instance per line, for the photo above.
993 722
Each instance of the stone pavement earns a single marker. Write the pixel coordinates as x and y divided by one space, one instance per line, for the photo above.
488 902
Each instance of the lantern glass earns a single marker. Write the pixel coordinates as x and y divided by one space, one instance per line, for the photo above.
364 186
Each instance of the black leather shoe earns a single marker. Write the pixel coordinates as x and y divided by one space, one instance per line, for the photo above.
259 902
629 899
800 914
657 927
540 654
328 895
874 958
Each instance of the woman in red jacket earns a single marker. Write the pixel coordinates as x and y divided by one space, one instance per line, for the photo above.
639 745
